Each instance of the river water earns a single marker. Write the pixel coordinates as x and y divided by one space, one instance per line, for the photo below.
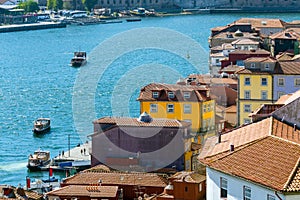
37 81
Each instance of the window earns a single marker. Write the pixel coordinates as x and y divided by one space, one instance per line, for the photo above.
247 193
267 66
204 108
247 108
264 95
264 81
247 81
186 95
153 108
155 95
171 95
280 81
252 65
270 197
247 121
208 107
170 108
187 108
297 81
223 186
247 94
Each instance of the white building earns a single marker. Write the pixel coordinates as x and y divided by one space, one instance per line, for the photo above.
254 162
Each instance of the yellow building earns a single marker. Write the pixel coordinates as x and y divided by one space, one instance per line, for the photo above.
182 102
255 86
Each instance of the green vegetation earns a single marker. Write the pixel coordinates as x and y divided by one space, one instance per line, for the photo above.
54 4
89 4
29 6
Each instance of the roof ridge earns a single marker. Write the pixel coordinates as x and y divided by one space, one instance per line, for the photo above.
294 171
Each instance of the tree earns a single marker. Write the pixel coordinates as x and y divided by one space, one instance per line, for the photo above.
29 6
51 4
55 4
89 4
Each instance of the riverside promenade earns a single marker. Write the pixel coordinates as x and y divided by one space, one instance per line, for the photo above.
33 26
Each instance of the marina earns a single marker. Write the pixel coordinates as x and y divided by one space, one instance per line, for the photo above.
42 83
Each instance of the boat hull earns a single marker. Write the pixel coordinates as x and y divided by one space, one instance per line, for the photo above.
41 131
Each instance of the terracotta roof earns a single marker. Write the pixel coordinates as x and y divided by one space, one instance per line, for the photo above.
226 94
231 68
197 93
266 109
261 150
117 178
231 109
127 121
287 35
98 168
288 67
83 191
233 36
207 80
282 99
256 71
269 161
257 51
261 59
244 41
258 23
189 177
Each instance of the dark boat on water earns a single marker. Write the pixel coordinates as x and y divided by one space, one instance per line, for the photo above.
41 125
79 59
133 19
39 160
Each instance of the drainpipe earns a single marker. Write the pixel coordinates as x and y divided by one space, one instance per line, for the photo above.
278 195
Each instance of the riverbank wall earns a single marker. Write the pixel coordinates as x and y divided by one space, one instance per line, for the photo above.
34 26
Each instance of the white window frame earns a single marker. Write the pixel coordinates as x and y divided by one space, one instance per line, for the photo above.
171 95
223 186
247 120
246 193
264 95
252 65
267 66
279 82
187 108
204 108
247 94
153 108
245 82
155 94
186 95
262 82
170 108
247 107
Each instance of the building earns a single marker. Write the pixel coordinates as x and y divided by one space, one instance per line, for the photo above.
185 185
284 41
255 86
130 185
190 103
256 161
143 144
132 4
84 192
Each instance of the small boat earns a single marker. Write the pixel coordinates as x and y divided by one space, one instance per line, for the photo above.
41 125
50 180
39 160
133 19
79 59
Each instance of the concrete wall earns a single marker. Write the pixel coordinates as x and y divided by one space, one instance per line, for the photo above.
234 186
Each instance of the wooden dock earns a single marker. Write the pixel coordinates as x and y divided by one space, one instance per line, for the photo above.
34 26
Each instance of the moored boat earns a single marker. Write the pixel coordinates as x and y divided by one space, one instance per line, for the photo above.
133 19
79 59
38 160
41 125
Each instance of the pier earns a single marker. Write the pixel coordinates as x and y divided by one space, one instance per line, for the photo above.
34 26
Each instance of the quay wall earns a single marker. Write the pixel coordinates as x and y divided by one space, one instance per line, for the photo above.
34 26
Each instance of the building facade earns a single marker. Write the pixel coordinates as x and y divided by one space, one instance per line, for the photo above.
183 102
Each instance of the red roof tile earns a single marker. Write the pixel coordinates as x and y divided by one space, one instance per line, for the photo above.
117 178
85 191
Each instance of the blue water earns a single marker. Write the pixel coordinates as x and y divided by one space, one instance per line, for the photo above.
37 81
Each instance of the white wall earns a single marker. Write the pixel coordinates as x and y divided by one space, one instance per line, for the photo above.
292 197
235 187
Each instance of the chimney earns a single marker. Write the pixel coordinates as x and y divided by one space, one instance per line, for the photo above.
295 127
231 148
219 137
